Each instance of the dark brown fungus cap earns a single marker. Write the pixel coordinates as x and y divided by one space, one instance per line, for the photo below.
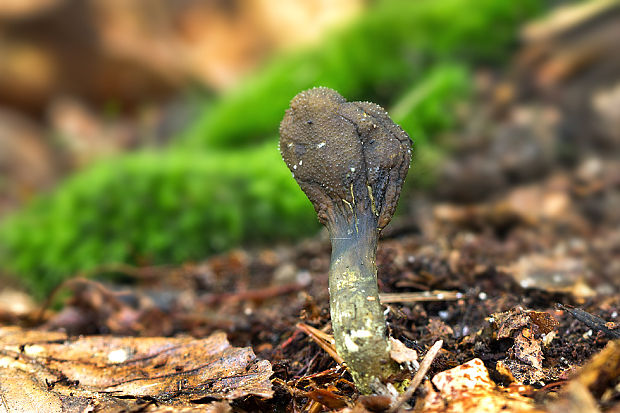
349 158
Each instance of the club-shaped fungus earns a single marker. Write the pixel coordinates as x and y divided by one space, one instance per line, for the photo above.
351 160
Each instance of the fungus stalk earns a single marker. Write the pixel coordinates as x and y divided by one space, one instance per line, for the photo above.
350 159
357 316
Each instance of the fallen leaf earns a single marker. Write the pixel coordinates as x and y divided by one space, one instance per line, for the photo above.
468 388
51 370
328 398
557 273
524 363
402 354
575 398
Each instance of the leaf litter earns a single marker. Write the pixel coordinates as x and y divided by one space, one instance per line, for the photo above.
525 217
105 371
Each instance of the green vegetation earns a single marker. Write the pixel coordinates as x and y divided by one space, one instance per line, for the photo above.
204 194
155 208
426 107
386 51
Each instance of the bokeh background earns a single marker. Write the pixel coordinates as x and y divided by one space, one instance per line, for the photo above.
145 132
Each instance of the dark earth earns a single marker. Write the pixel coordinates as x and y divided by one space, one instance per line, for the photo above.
517 245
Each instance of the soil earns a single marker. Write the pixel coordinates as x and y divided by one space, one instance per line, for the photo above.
537 247
517 247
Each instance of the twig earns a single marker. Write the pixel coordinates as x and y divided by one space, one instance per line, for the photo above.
324 340
259 294
293 391
75 283
565 19
306 368
437 295
289 340
592 321
419 376
84 278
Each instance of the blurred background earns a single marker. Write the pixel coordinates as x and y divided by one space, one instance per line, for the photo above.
144 133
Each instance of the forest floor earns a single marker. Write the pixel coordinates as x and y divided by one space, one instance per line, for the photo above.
512 262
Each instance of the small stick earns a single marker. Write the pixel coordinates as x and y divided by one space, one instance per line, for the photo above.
324 340
419 376
289 340
259 294
592 321
79 281
437 295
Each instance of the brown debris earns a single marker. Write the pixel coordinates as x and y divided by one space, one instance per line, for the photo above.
526 215
602 372
328 398
575 398
468 388
131 51
419 376
108 369
324 340
401 353
526 329
598 379
558 273
437 329
24 158
594 322
15 305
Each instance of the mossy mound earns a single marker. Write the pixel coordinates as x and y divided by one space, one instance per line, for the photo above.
155 208
205 195
390 48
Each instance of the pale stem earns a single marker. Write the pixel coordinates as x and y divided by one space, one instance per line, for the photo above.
357 316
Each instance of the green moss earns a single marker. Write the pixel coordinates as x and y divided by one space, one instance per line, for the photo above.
390 47
427 107
204 196
169 207
155 208
426 110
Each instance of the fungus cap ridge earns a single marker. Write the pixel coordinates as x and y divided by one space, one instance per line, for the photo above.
348 157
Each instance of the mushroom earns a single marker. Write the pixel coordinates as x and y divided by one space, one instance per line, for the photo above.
350 159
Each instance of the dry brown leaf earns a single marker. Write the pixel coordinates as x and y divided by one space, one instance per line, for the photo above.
328 398
400 353
575 399
552 273
468 388
215 407
527 329
48 369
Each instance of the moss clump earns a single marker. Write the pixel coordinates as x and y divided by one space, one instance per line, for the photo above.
391 47
168 207
427 107
155 208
